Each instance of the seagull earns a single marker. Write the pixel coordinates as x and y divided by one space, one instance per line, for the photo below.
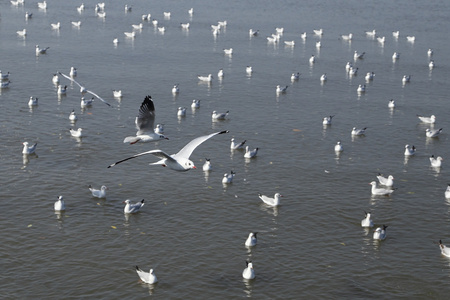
436 161
251 240
5 84
289 43
281 90
228 178
312 59
406 78
338 147
389 181
159 129
41 50
127 8
62 89
117 93
361 88
431 64
353 71
191 11
411 38
178 161
22 32
76 24
115 41
395 56
444 249
248 272
323 77
295 76
76 133
318 31
149 277
101 14
185 25
279 30
371 33
357 132
80 8
367 221
28 149
348 66
162 29
381 40
86 102
33 101
380 191
252 32
409 151
205 78
447 192
83 90
59 204
327 120
304 35
132 208
55 79
137 26
195 104
430 52
130 34
228 51
28 15
347 37
396 34
250 153
181 111
235 146
101 193
391 103
380 233
73 72
207 165
433 133
73 116
431 119
155 22
370 76
4 76
275 201
144 124
357 55
175 89
219 116
42 5
220 74
318 44
167 14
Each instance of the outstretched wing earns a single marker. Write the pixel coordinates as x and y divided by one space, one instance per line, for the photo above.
158 153
190 147
70 78
101 99
146 117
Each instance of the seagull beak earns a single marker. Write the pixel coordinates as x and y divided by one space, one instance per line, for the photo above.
166 138
194 167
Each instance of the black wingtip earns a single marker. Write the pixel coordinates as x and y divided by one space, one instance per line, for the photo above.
142 201
137 268
225 131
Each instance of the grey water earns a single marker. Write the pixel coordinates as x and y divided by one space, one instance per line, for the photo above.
192 228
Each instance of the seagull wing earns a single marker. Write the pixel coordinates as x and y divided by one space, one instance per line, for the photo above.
97 96
146 117
159 153
71 79
190 147
143 275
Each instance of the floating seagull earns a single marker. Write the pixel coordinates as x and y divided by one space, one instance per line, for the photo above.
219 116
357 132
444 249
433 133
76 133
327 120
101 14
76 24
447 192
228 178
396 34
323 77
185 25
409 151
73 72
28 149
33 101
411 38
207 165
371 33
132 208
248 272
361 88
430 52
318 31
55 79
228 51
195 104
155 22
271 39
281 89
370 76
175 89
312 59
159 129
4 76
117 93
347 37
191 11
436 161
167 14
251 240
304 35
41 50
28 15
289 43
431 119
149 277
338 147
42 5
137 26
59 204
181 111
162 29
234 145
391 103
62 89
86 102
353 71
395 56
380 233
80 8
367 221
178 161
249 70
101 193
73 116
83 90
318 44
431 64
5 84
250 153
357 55
389 181
205 78
220 74
252 32
295 76
130 34
279 30
127 8
22 32
348 66
380 191
115 41
144 124
275 201
406 78
381 40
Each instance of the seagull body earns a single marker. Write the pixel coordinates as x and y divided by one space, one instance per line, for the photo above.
431 64
338 147
327 120
406 78
28 149
86 102
347 37
83 90
361 88
220 74
76 133
271 39
59 204
5 84
185 25
73 72
178 161
117 93
250 153
252 32
381 40
433 133
357 55
228 51
181 111
41 50
444 249
73 116
389 181
370 76
55 79
101 14
115 41
80 8
318 31
367 221
323 77
130 34
127 8
396 34
318 44
22 32
144 124
132 208
409 151
248 272
76 24
348 66
371 33
175 89
380 191
159 129
205 78
447 192
430 52
4 76
380 233
295 76
162 29
312 59
195 104
275 201
191 11
207 165
395 56
228 178
357 131
235 145
249 70
219 116
28 15
353 71
410 38
62 89
391 103
42 5
289 43
251 240
436 161
137 26
149 277
33 101
101 193
281 89
430 120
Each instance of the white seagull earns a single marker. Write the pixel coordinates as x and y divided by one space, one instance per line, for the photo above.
59 204
338 147
76 24
117 93
406 78
367 221
252 32
395 56
353 71
409 151
430 52
132 208
159 129
250 153
149 277
323 77
371 33
361 88
76 133
357 132
251 240
195 104
101 193
249 70
312 59
205 78
73 116
55 79
83 90
411 38
28 15
41 50
28 149
220 74
396 34
380 191
327 120
4 76
228 51
22 32
295 76
318 31
431 119
175 89
433 133
179 161
235 145
370 76
380 233
181 111
275 201
431 64
391 103
447 192
357 55
444 249
281 89
130 34
219 116
33 101
86 102
436 161
62 90
228 178
207 165
248 272
144 124
42 5
347 37
73 72
389 181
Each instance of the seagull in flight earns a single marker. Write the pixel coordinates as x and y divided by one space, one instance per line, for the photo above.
179 161
144 123
83 90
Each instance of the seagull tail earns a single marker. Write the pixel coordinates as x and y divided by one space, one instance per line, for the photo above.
131 139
